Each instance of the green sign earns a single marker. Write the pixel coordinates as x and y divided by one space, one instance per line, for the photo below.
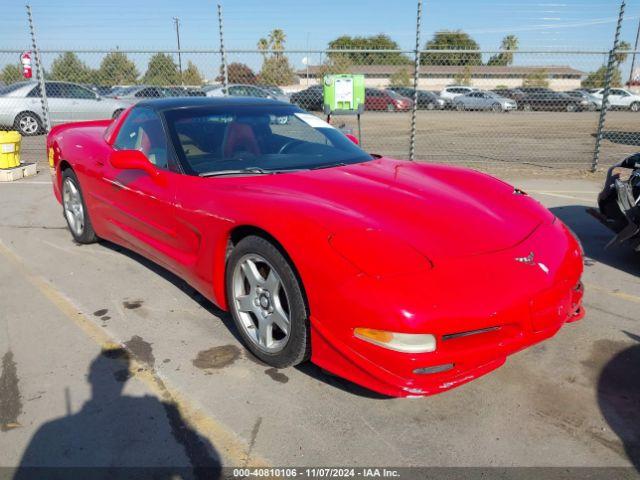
343 94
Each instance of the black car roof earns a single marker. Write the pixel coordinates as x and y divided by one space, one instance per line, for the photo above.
173 103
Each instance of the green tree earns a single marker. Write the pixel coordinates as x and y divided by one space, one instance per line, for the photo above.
69 68
11 73
451 40
537 78
238 73
277 71
275 65
621 57
116 69
596 79
463 77
334 64
373 42
509 44
401 78
192 76
161 70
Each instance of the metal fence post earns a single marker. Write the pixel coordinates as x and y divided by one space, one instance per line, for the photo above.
607 88
39 73
416 75
225 76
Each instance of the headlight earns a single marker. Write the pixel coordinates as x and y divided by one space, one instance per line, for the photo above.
400 342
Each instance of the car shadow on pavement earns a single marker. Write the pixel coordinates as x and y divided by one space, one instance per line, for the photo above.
619 397
594 237
114 435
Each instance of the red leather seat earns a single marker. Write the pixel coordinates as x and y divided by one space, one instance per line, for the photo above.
240 138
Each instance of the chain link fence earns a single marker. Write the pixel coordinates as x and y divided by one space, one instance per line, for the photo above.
478 108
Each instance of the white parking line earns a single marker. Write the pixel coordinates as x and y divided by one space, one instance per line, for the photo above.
561 195
28 182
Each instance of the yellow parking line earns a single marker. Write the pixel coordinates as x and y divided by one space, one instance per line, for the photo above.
622 295
225 441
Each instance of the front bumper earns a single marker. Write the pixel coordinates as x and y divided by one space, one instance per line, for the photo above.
523 314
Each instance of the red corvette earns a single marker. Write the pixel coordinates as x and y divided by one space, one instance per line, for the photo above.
406 278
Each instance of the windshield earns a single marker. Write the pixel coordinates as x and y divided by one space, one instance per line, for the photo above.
257 138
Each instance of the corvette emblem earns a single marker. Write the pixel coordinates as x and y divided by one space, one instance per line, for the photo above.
528 260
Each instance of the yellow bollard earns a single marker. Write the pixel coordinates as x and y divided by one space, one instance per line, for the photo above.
10 149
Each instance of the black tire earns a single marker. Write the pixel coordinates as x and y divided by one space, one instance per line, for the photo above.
87 235
117 113
431 106
635 107
527 107
571 107
496 107
460 107
391 108
28 124
298 345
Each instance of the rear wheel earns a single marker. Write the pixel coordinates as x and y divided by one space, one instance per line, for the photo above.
527 107
431 106
266 302
571 107
117 113
460 107
75 210
28 124
391 108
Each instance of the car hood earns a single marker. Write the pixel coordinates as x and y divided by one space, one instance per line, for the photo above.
441 211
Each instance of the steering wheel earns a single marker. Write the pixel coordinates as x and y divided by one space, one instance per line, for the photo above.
288 145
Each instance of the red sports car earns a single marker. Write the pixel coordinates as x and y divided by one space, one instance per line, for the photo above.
403 277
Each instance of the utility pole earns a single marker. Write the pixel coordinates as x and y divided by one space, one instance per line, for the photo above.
633 57
176 20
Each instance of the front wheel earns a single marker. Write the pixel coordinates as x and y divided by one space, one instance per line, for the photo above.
635 107
117 113
571 107
496 107
460 107
527 107
75 210
267 304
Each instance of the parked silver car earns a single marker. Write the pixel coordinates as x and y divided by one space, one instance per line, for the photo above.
484 100
241 90
21 108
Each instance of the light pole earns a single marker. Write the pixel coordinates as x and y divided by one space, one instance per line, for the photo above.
176 20
633 57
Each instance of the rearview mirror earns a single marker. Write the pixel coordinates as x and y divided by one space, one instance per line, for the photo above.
353 138
133 160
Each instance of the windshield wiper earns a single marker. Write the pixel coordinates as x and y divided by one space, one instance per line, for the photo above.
329 165
240 171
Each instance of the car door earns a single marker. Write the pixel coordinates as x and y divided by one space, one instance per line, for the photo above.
85 104
143 211
617 98
60 109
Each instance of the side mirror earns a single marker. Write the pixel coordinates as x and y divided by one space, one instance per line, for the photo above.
133 160
353 138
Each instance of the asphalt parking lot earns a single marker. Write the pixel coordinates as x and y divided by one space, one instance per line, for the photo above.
183 390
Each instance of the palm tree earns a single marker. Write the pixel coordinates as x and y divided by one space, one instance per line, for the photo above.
621 57
509 44
277 38
263 46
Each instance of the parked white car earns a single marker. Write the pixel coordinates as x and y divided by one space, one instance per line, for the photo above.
21 108
241 90
620 98
453 91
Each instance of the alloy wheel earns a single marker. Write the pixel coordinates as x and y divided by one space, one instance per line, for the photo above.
73 208
261 303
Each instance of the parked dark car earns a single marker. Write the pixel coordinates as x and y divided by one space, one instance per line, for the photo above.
376 99
309 98
548 100
512 93
426 99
